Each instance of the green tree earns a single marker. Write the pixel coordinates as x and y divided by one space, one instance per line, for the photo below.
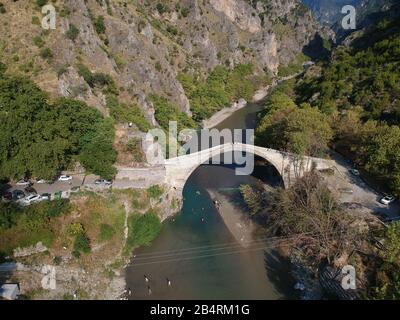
97 154
380 153
283 126
39 138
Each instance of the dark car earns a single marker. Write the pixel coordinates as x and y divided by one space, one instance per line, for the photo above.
30 190
18 194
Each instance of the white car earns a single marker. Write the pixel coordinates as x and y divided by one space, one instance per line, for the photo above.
42 181
355 172
23 183
45 197
65 178
103 181
387 200
30 199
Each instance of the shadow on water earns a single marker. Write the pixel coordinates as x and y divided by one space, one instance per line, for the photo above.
278 268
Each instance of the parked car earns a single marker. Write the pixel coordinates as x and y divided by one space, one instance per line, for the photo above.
386 200
103 181
18 195
355 172
65 178
42 181
45 197
30 189
24 183
30 199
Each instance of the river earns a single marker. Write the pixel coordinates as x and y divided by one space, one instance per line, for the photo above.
198 254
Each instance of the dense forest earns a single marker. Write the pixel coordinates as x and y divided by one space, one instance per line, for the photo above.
350 103
40 137
220 88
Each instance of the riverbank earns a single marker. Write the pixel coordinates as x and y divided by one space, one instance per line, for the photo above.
225 113
85 248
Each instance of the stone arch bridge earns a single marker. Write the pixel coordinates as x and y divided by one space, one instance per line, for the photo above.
176 171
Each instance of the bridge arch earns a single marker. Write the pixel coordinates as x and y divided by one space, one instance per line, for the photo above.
289 166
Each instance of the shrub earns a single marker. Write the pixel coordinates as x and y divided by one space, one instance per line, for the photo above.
161 8
134 146
143 229
2 9
98 78
155 192
38 41
81 245
46 53
73 32
185 12
41 3
124 113
99 25
166 112
35 20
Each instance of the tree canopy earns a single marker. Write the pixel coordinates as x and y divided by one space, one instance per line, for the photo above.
39 137
284 126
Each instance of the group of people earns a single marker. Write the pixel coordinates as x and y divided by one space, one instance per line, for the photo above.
147 280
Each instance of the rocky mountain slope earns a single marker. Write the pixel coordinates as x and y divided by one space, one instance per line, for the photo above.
137 48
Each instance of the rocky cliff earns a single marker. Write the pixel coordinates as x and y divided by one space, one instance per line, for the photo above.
144 44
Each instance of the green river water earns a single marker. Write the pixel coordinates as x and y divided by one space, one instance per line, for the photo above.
196 251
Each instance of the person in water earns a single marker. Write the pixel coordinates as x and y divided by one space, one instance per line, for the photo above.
146 279
149 290
169 282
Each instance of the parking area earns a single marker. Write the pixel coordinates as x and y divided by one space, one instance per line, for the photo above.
59 188
359 191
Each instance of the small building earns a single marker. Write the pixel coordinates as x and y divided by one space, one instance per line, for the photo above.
9 291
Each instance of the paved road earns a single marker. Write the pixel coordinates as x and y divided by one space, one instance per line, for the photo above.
60 186
143 177
362 193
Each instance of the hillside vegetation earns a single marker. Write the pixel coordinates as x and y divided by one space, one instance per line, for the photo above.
40 137
351 103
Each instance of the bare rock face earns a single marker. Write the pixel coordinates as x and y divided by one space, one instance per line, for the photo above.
144 47
240 13
24 252
267 51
